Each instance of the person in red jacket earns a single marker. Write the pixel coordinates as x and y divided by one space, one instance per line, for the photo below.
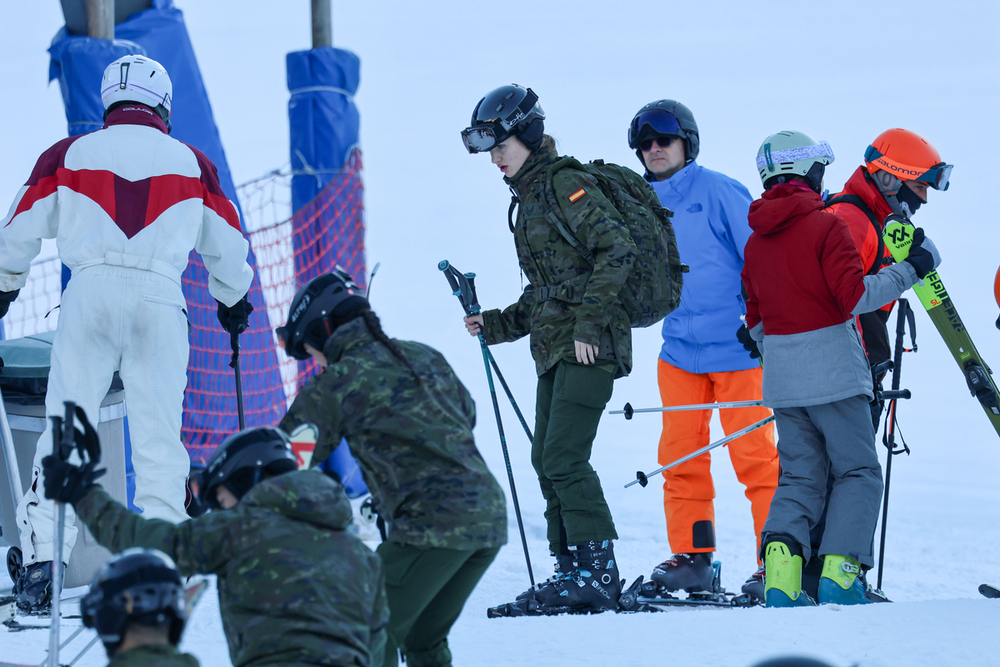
804 284
900 167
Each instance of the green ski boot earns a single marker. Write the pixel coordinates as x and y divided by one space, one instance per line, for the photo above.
841 581
783 578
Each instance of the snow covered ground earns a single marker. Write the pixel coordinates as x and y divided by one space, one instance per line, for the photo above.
841 72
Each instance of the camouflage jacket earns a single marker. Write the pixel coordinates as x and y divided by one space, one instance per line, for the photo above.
294 587
412 440
567 299
153 655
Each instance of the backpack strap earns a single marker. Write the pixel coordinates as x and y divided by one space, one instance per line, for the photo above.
859 203
553 215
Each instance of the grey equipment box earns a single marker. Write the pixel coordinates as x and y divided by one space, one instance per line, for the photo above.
23 379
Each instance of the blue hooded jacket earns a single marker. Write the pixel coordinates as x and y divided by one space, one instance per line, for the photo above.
710 221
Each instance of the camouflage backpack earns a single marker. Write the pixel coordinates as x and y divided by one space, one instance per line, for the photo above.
653 288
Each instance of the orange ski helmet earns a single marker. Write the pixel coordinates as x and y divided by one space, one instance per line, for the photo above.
909 157
996 287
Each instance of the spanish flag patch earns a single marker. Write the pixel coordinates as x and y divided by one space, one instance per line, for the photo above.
576 195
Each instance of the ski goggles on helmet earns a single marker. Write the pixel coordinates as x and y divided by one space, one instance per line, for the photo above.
659 121
486 134
768 158
938 176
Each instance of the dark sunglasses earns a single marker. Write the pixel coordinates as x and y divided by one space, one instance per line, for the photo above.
662 142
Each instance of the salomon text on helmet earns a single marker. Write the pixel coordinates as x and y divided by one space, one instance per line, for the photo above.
138 586
505 112
137 79
664 118
242 460
786 154
909 157
309 316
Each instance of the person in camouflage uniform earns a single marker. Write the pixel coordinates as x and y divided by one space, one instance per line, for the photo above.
580 340
137 606
295 588
408 420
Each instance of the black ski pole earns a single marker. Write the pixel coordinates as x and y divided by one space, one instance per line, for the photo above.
235 364
464 288
62 447
904 315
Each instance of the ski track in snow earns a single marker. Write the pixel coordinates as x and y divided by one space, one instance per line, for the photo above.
746 71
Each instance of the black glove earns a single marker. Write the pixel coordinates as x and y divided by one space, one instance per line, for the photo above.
7 298
749 344
235 319
63 481
66 482
921 258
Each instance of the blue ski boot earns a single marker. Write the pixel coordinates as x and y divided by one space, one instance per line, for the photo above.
841 582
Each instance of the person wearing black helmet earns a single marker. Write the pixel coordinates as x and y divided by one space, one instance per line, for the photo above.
408 420
136 605
701 361
581 339
294 586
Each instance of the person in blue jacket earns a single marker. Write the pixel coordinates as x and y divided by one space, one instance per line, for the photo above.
701 360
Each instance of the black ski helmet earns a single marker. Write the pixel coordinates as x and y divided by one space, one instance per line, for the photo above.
137 586
241 460
664 118
505 112
329 295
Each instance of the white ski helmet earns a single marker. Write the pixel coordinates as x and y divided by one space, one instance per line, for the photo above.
793 154
137 79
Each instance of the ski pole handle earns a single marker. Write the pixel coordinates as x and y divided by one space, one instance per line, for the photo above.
462 286
62 432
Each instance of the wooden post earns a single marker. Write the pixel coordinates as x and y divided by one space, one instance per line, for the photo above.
322 23
101 19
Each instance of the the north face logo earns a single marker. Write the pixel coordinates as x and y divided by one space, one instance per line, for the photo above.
694 208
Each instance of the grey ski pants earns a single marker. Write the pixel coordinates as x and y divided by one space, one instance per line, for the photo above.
816 441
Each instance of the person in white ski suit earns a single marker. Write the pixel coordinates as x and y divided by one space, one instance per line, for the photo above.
126 205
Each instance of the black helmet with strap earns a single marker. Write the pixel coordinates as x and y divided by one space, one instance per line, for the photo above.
309 316
504 112
140 586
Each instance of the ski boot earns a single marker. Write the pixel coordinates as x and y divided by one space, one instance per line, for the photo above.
590 587
783 578
753 587
564 565
33 589
692 573
841 582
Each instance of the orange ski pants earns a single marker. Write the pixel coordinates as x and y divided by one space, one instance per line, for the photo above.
688 490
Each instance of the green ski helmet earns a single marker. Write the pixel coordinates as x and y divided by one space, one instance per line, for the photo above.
791 153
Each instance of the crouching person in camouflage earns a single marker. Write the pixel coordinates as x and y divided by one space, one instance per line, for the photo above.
294 587
408 420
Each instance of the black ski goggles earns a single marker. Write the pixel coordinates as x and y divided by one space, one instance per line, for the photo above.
486 134
659 121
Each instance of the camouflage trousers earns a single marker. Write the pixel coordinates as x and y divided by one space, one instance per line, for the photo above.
568 406
427 588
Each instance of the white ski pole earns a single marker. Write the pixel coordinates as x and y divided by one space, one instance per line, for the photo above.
642 478
628 410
